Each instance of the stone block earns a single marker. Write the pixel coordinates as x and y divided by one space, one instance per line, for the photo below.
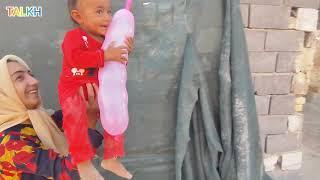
303 3
265 16
255 39
262 104
282 105
270 161
307 19
291 160
273 84
298 108
286 62
262 61
300 100
284 40
274 124
267 2
295 123
282 143
292 22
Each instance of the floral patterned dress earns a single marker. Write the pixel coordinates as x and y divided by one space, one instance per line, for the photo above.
23 156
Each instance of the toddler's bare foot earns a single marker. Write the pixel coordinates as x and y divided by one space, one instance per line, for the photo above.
88 172
115 166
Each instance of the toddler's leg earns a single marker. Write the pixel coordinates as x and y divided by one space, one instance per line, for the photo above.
75 126
113 149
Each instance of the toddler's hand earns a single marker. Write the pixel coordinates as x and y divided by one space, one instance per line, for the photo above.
118 53
129 43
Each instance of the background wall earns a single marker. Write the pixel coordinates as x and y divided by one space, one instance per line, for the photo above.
154 67
282 40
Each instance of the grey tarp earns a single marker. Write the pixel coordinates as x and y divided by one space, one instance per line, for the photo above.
217 135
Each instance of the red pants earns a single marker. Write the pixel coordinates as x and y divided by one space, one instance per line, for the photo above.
75 125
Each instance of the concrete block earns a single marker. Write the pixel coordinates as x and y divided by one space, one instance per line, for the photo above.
274 124
295 123
291 160
286 62
303 3
298 107
267 2
262 104
265 16
272 84
282 105
300 100
255 39
282 143
262 61
270 162
284 40
307 19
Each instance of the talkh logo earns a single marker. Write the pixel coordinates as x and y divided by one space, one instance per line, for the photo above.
24 11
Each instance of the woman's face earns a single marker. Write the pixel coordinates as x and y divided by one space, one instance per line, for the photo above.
27 87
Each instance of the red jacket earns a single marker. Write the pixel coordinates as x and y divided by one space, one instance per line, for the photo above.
82 57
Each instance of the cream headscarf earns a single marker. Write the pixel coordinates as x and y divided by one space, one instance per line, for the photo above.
13 112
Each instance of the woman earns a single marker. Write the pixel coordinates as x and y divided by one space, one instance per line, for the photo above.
31 144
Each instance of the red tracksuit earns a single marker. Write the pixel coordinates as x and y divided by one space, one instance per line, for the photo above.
82 57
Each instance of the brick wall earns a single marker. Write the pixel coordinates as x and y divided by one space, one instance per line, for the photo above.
280 37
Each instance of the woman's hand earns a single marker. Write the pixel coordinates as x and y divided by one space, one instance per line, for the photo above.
91 104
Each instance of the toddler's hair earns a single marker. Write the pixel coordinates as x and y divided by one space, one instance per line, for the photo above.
72 4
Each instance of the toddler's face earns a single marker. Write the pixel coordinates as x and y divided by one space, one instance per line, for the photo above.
94 16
